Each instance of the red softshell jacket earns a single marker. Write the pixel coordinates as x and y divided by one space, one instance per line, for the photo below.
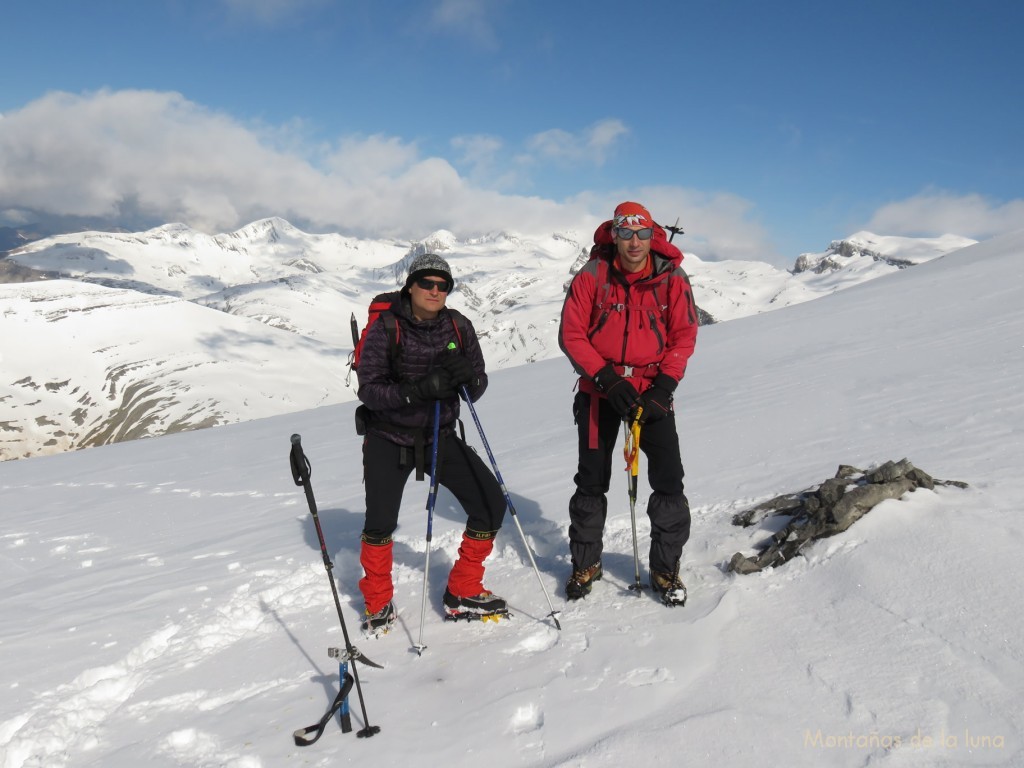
641 326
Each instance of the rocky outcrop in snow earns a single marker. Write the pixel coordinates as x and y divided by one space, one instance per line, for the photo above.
827 509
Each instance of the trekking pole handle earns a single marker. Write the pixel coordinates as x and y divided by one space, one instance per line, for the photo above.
631 445
301 468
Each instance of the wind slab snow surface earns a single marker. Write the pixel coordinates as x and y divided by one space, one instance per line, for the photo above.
165 602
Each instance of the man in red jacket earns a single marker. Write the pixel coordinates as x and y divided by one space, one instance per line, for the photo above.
629 324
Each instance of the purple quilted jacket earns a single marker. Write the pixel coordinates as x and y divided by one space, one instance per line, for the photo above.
420 344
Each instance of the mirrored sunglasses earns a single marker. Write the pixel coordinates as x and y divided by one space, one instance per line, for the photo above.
427 284
625 233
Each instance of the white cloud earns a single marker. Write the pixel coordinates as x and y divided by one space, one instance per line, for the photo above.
270 11
161 157
478 150
468 19
936 212
86 155
14 217
483 159
357 159
588 147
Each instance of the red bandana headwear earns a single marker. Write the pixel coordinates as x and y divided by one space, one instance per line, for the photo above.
632 215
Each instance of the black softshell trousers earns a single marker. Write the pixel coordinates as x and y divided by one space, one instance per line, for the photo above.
667 507
387 466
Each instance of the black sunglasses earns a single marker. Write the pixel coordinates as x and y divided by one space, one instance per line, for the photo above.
625 233
443 286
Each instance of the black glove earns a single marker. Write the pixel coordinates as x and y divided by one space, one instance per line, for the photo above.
460 369
657 399
621 395
436 385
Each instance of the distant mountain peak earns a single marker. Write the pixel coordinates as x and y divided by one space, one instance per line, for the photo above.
441 240
892 250
270 230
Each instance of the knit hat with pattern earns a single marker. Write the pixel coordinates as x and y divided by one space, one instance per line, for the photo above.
429 265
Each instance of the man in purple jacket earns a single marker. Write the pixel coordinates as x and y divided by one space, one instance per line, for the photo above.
435 356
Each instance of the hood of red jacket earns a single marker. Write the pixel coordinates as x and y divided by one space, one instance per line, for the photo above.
659 243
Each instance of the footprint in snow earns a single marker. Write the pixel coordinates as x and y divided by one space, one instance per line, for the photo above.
538 642
646 676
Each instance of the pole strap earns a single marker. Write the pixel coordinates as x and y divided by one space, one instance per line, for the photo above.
302 736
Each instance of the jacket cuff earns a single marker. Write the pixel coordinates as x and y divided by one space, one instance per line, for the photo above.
605 377
665 382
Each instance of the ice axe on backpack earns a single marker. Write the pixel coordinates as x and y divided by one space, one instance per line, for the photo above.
675 229
354 325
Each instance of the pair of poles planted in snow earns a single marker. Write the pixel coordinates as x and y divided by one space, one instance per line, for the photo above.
432 499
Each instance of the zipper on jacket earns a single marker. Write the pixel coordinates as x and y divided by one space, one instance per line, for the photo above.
654 327
625 320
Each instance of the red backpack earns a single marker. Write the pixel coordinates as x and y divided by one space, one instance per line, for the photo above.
378 310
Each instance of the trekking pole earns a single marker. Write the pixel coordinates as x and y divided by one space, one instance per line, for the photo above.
508 501
431 500
631 450
301 471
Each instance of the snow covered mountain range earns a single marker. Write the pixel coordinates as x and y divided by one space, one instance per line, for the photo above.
114 336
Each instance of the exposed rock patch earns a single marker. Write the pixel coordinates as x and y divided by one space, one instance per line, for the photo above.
827 509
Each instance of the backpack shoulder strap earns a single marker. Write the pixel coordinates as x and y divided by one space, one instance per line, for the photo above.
394 333
461 325
602 288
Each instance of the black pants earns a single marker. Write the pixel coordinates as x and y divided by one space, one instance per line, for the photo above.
387 466
667 507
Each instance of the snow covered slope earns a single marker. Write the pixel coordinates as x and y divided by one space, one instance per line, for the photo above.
165 603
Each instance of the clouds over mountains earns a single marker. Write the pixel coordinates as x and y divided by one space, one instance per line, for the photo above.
139 158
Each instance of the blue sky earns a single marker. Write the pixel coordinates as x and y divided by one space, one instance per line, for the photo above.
769 129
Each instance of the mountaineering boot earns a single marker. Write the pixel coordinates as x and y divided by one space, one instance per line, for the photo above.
581 581
379 624
485 603
465 596
669 587
467 575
